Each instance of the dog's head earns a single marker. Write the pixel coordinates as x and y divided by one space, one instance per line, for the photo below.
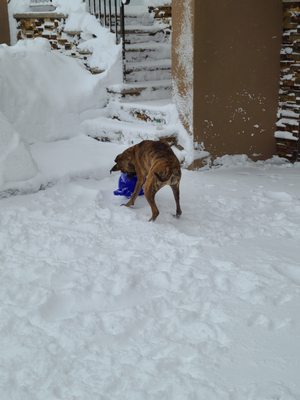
124 163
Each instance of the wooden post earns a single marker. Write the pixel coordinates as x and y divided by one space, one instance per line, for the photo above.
4 25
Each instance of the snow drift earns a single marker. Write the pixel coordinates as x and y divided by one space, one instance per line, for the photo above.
43 93
16 163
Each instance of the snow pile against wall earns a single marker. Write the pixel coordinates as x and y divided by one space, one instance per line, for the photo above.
44 93
95 38
16 163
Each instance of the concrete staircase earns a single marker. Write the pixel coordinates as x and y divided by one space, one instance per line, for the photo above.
131 122
141 107
147 57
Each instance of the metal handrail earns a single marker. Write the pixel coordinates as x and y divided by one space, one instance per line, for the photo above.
106 11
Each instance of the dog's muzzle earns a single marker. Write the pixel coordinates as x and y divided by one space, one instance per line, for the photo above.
115 168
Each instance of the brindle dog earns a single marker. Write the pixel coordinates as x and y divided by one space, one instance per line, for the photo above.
155 165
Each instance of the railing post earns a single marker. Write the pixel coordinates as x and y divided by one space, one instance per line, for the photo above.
116 22
122 26
105 14
109 9
123 35
100 10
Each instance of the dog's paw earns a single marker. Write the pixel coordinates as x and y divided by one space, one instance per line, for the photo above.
177 215
127 205
154 216
130 203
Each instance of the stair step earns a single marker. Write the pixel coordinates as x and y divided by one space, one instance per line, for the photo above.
137 15
144 19
158 37
157 112
150 90
161 11
72 33
147 51
134 10
159 33
146 29
148 71
112 130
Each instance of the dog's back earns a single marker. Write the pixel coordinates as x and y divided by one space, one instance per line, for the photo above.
159 158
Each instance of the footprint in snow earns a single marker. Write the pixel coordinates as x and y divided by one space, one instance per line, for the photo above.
279 196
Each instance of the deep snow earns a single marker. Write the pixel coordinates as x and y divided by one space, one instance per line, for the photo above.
97 303
47 96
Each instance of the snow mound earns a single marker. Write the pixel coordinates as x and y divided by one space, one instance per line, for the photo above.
43 93
16 163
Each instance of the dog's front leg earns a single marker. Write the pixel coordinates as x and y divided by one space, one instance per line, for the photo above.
137 189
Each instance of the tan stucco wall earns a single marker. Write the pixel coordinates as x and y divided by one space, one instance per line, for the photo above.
236 64
237 52
4 27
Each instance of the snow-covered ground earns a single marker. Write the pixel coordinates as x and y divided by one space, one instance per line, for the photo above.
97 303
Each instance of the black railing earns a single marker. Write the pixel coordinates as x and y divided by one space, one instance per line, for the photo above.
111 14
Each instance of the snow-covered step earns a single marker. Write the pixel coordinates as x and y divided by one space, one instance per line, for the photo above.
142 34
112 130
148 71
156 112
148 51
145 19
161 12
151 90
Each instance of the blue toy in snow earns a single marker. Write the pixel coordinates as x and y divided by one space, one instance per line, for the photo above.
126 186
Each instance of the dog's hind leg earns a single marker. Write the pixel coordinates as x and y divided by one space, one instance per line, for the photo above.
175 189
150 193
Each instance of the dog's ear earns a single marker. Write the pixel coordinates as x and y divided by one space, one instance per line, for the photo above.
128 153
